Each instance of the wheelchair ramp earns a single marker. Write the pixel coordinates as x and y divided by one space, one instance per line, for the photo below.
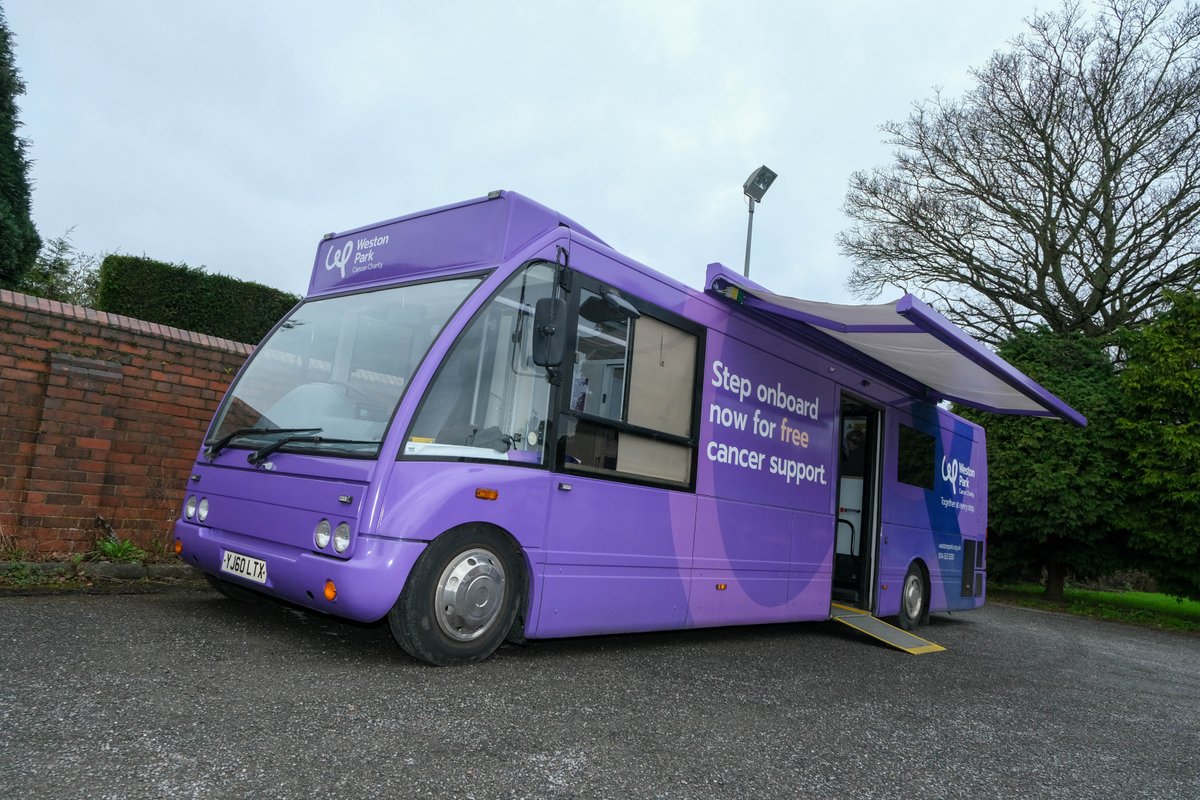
876 628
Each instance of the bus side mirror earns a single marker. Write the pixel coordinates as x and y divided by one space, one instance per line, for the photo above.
549 332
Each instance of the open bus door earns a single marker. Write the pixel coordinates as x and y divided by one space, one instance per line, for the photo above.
856 546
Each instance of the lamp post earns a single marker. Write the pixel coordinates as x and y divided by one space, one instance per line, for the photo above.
755 187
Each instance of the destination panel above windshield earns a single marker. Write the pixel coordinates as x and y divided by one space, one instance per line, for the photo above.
463 236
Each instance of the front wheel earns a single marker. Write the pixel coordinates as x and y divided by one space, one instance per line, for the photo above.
461 597
914 598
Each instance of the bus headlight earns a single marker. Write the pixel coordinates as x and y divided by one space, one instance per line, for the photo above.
321 534
341 537
189 508
202 509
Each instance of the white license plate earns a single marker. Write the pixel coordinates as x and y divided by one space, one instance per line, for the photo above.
246 567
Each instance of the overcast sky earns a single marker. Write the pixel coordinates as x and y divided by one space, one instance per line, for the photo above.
234 134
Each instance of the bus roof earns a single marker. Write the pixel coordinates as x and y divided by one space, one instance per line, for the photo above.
908 337
475 233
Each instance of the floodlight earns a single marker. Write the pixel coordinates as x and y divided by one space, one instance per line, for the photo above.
755 187
757 184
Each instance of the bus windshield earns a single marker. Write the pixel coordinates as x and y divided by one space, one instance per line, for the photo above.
335 369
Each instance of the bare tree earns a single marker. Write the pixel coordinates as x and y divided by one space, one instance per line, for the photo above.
1063 188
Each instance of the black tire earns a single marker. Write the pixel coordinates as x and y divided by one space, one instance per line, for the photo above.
461 598
914 599
233 591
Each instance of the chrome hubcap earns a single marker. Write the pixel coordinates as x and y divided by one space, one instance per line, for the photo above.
914 597
469 594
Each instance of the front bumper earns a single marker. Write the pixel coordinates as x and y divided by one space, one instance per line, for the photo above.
367 584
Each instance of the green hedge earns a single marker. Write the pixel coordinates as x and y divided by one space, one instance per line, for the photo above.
190 298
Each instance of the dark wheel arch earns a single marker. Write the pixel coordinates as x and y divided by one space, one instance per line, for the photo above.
233 591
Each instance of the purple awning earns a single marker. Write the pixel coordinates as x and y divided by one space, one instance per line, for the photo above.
910 338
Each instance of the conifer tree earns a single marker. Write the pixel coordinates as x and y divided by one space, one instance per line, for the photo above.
19 240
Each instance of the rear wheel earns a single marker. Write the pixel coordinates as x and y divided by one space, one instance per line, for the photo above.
914 598
461 598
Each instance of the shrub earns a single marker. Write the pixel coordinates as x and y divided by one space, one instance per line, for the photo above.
190 298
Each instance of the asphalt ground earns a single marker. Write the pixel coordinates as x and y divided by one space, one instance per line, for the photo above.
189 695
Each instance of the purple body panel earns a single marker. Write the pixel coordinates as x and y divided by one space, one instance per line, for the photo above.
955 511
766 429
617 558
754 542
774 563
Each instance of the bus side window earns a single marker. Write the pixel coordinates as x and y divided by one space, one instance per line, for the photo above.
601 358
489 400
632 392
915 458
664 376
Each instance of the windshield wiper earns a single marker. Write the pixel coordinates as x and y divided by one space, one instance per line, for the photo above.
260 455
220 444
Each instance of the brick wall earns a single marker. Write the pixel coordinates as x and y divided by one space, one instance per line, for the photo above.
101 417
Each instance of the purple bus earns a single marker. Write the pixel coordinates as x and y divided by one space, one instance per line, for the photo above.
485 424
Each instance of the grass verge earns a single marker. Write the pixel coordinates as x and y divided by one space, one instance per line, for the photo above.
1138 608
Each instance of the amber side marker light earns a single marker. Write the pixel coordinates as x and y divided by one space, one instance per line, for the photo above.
721 587
486 494
330 591
178 546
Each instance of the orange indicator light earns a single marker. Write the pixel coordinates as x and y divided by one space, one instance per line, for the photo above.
486 494
721 587
330 591
178 546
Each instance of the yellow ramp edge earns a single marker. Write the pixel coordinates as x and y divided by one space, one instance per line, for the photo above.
878 629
